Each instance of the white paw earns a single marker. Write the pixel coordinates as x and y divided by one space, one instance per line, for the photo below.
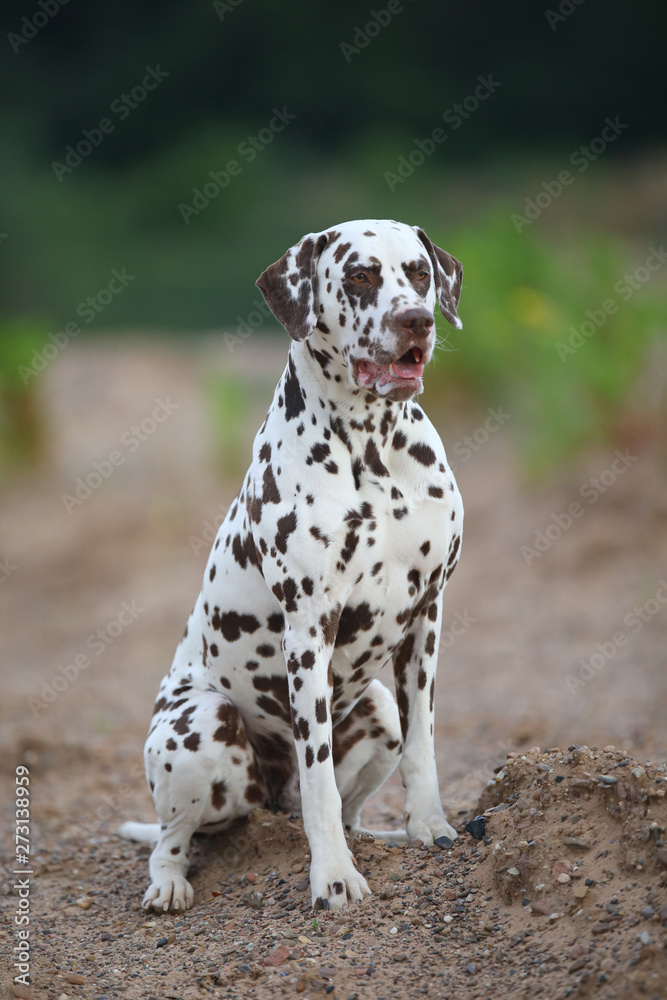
433 829
336 885
173 894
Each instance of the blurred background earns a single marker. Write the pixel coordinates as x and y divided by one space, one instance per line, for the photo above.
155 159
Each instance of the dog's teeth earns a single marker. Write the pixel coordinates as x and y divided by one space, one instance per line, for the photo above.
393 371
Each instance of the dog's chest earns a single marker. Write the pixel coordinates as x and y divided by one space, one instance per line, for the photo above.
396 572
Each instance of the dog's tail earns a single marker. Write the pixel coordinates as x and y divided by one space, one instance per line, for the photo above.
400 836
147 833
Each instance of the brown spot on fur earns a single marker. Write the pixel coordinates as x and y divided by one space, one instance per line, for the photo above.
231 731
192 742
232 624
352 620
329 625
422 453
218 794
373 460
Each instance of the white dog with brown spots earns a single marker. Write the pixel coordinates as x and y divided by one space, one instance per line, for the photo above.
331 563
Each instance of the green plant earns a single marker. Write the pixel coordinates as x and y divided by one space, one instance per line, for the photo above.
229 402
524 306
21 424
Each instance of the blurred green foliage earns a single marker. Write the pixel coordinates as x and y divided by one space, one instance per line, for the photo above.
21 427
523 292
228 405
537 340
123 204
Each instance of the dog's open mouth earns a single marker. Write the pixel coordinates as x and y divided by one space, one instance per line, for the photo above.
407 369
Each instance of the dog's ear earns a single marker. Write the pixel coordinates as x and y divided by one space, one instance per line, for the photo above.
290 286
448 273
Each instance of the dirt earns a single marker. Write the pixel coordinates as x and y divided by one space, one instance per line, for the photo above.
559 648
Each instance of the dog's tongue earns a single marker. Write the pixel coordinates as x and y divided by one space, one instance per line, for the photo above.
407 369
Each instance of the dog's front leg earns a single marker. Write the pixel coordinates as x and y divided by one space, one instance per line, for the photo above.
415 662
334 879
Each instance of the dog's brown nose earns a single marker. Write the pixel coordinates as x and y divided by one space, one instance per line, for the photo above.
418 321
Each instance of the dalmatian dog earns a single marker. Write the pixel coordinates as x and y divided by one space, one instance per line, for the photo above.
331 563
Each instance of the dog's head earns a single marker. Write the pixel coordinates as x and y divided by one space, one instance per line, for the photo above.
369 288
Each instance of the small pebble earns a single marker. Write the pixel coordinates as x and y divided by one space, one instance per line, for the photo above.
277 956
577 842
470 969
540 908
644 937
607 779
84 903
162 942
394 930
563 878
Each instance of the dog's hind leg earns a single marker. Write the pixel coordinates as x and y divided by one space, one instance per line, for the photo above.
366 750
203 774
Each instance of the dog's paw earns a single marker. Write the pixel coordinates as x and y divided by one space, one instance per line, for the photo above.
173 894
334 886
433 829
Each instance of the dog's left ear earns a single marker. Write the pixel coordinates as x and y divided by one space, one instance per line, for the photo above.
290 286
448 273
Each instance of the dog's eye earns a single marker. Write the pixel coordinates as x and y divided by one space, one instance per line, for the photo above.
359 276
422 275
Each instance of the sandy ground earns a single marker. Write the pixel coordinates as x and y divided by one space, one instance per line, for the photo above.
545 649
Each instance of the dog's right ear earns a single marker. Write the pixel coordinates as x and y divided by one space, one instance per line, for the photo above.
290 286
